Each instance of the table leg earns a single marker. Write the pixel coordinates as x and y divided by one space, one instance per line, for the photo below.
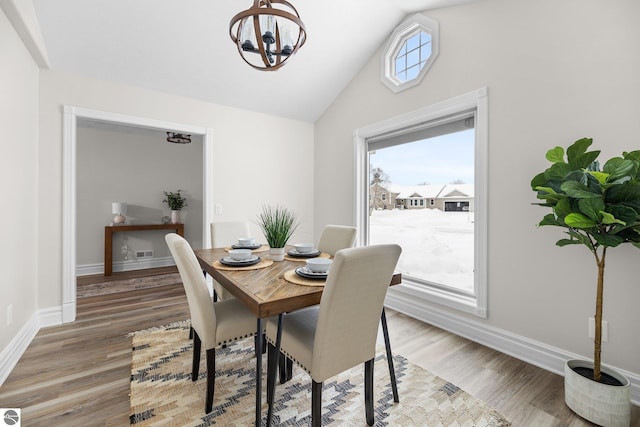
387 344
273 363
259 345
108 252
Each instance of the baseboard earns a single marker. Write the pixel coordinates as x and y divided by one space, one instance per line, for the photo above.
534 352
52 316
129 265
17 346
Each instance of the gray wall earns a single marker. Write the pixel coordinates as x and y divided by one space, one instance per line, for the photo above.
18 172
124 164
555 72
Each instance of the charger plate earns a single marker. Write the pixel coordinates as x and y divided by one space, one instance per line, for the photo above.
262 248
300 259
292 277
262 264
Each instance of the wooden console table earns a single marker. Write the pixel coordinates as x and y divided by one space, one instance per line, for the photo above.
110 229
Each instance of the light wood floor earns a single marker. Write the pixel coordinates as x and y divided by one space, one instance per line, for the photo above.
78 374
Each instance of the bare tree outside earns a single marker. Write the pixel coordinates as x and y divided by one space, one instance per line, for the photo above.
378 176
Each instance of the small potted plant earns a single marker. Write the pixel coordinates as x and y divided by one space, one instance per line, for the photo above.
278 225
599 209
176 202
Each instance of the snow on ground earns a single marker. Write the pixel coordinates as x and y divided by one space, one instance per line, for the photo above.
436 246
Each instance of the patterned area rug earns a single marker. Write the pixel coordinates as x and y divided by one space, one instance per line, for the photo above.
162 393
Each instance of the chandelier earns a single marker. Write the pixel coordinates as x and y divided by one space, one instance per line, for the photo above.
178 138
268 33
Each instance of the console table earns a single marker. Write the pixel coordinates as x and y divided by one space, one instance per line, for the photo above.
110 229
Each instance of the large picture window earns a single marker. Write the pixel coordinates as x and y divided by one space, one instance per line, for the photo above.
431 167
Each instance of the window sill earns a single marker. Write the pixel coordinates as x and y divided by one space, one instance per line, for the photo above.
416 294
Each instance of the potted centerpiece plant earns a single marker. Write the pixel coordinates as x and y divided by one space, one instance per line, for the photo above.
599 209
176 202
278 225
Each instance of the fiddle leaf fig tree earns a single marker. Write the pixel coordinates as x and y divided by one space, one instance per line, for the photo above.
599 209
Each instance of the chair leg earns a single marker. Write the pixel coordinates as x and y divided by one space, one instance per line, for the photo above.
387 344
368 391
285 368
190 332
211 379
316 404
195 366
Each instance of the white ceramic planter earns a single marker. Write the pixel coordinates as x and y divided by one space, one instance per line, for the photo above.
602 404
175 217
276 254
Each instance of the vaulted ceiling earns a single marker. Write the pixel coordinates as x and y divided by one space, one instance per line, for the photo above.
183 48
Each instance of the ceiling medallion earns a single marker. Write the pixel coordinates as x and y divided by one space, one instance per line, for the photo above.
277 26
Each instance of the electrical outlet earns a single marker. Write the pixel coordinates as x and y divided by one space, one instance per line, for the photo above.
605 329
9 314
218 209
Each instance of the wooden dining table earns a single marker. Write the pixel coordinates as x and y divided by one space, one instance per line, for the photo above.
266 293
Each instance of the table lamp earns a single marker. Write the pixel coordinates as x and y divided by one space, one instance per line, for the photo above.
119 209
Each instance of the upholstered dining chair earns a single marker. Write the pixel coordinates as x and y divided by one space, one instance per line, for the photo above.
213 324
341 333
223 234
336 237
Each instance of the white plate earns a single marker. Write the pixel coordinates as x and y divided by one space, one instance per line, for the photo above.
305 272
313 253
253 259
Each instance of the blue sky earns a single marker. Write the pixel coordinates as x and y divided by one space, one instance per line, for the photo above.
438 160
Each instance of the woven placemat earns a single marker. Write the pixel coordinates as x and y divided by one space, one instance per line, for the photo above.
301 259
262 264
291 276
263 248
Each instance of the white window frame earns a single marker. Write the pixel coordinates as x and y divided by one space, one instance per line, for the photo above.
403 32
414 296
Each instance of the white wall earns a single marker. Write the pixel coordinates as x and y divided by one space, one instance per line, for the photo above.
18 174
556 72
121 164
257 158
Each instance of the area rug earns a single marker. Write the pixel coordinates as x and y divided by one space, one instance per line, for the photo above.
162 393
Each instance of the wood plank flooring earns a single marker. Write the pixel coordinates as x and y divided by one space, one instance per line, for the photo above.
78 374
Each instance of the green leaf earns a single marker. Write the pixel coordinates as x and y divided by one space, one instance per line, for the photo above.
577 191
591 207
583 161
610 240
563 208
584 239
609 219
538 181
578 148
565 242
602 177
618 168
558 171
550 219
556 155
578 220
627 194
